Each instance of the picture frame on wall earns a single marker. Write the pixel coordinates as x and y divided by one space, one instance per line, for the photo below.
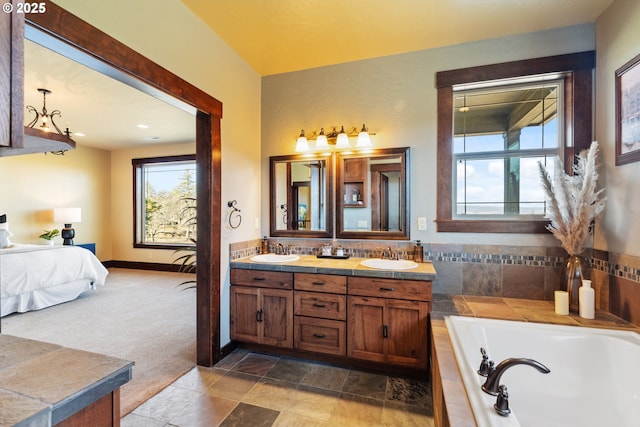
628 112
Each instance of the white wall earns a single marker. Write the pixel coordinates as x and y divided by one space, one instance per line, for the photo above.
169 34
396 97
617 41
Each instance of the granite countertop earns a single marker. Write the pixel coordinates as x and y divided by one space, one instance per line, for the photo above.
345 267
42 384
458 408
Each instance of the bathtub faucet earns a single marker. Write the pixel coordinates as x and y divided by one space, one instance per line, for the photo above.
492 384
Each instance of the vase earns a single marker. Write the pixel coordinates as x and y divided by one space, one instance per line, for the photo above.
574 274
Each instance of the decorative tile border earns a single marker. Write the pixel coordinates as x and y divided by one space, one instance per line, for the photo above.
493 254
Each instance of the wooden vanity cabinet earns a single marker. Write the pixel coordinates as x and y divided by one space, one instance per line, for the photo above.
387 320
320 308
262 307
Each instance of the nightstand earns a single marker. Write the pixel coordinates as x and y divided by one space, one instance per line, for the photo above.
88 246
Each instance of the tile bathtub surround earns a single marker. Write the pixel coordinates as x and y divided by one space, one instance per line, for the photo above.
256 389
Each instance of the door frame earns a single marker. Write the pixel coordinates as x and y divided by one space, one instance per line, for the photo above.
70 36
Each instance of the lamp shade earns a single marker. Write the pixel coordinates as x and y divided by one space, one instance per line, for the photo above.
364 141
321 141
343 139
67 215
302 144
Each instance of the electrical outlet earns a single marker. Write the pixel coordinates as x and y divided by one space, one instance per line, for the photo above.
422 223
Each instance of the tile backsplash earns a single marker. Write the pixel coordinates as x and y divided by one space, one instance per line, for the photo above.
495 270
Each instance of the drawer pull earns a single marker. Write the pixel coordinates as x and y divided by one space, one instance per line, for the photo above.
315 304
259 279
319 335
318 283
259 315
386 289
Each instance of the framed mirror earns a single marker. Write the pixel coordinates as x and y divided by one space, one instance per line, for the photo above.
301 195
373 194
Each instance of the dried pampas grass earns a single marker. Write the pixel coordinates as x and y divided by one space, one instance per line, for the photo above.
573 201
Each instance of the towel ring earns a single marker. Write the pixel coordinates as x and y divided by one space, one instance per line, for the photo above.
234 216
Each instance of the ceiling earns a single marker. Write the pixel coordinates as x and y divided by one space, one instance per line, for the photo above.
105 110
278 36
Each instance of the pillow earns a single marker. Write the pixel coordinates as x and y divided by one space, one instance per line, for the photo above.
4 238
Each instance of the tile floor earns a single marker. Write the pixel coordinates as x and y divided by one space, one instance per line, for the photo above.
254 389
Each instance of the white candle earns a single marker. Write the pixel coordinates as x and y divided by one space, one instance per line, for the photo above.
562 302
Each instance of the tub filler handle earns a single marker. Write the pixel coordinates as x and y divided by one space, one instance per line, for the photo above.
486 366
502 402
491 385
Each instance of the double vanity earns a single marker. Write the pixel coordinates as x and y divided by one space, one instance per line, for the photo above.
338 310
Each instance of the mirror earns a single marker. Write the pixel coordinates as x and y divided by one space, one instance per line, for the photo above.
372 191
301 196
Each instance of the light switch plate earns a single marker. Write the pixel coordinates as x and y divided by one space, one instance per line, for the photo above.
422 223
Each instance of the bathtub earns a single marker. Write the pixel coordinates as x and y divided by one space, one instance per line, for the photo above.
594 378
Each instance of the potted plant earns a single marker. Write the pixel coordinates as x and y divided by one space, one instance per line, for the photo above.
48 235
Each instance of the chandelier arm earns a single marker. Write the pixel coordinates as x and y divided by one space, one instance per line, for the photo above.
51 116
33 122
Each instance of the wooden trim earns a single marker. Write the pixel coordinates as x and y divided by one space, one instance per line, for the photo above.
549 64
404 154
75 38
578 70
138 265
329 199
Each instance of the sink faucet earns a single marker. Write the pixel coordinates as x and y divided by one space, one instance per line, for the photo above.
389 254
280 249
492 384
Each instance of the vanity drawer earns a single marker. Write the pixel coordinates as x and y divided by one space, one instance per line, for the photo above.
262 279
315 304
321 283
320 335
390 288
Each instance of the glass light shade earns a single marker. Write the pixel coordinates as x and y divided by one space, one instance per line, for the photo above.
343 139
364 141
67 215
321 141
302 144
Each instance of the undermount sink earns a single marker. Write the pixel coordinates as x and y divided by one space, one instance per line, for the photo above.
274 258
389 264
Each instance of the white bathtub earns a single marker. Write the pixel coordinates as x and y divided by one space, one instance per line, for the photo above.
594 378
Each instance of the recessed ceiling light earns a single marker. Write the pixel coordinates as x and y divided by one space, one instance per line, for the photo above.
79 134
143 126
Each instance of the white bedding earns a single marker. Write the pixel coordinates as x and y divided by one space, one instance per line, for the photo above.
37 276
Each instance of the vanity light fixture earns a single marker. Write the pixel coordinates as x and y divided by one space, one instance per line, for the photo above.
45 116
302 144
335 139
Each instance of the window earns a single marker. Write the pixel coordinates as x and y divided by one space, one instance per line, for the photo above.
165 201
500 133
495 123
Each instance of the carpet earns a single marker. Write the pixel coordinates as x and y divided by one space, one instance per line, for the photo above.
141 316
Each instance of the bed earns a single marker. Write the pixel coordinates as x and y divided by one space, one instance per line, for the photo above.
33 277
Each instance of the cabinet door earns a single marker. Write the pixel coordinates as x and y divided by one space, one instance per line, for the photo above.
355 170
365 331
276 318
406 323
244 304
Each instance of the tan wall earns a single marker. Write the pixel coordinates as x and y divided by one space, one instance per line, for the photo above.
34 184
122 202
617 41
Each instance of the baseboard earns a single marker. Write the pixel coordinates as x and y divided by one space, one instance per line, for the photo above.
138 265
